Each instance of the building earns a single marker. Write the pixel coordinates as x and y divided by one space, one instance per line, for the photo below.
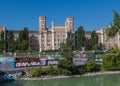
108 42
2 28
33 39
50 39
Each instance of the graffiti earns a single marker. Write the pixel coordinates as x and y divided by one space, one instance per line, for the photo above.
79 61
27 59
29 62
5 65
81 55
6 62
52 62
43 61
25 62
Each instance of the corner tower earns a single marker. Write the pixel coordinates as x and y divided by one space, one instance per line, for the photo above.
70 23
42 22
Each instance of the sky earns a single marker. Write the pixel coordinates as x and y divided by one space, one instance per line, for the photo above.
91 14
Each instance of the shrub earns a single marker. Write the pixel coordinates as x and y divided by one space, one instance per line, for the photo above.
37 72
90 67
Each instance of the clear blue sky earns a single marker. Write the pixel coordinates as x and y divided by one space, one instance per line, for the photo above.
91 14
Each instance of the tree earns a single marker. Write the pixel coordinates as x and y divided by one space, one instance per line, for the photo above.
91 66
24 44
23 40
94 40
87 44
26 38
65 66
2 41
115 25
67 48
111 61
25 33
10 41
21 36
80 38
116 20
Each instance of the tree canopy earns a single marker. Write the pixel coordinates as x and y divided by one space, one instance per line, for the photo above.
80 38
67 48
94 40
115 25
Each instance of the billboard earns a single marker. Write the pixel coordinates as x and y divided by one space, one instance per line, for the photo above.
6 62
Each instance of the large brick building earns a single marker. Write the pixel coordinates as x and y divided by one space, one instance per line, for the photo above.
50 38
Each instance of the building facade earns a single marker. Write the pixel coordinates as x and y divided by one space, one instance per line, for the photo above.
108 42
50 39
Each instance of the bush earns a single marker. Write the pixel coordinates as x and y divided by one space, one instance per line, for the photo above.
66 66
51 71
37 72
90 67
66 72
111 61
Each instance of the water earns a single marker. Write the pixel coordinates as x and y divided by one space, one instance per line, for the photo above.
99 80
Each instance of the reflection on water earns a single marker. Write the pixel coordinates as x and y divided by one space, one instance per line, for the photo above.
101 80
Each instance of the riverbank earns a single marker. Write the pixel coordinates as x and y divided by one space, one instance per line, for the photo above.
48 77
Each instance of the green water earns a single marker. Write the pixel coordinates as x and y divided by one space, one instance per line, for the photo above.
100 80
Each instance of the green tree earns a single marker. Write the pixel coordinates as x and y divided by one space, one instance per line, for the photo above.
65 66
37 72
2 41
25 44
87 44
25 33
94 40
10 41
23 40
111 61
21 36
67 48
91 66
80 38
116 20
115 25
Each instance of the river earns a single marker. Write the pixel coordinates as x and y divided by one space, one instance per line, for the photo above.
98 80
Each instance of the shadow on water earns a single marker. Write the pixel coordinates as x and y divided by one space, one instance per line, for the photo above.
10 83
99 80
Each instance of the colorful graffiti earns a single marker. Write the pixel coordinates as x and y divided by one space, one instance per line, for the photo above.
79 61
17 62
26 59
52 62
29 62
6 62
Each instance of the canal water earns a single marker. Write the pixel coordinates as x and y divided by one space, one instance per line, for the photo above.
98 80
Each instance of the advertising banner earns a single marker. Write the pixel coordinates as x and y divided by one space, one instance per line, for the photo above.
6 62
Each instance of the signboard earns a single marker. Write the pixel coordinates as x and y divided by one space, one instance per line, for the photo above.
79 61
6 62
